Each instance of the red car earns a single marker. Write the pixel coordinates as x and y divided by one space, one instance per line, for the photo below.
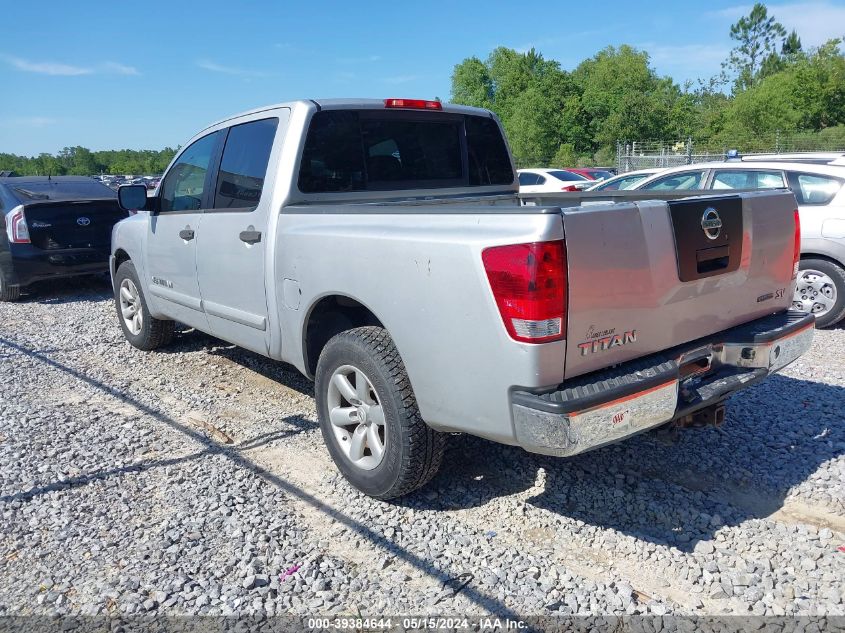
591 172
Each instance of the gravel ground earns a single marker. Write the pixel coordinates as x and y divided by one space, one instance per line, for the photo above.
194 480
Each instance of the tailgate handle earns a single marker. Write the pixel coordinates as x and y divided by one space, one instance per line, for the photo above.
186 234
250 237
710 259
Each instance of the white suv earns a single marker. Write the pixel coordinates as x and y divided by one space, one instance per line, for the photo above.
820 194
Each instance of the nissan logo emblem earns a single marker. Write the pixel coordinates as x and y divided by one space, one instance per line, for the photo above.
83 221
711 223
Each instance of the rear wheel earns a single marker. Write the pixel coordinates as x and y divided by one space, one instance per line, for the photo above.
820 289
140 329
369 417
8 292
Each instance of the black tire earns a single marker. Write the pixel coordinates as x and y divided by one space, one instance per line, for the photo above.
413 451
8 292
154 333
837 274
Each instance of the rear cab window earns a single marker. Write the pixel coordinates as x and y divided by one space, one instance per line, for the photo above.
814 189
374 150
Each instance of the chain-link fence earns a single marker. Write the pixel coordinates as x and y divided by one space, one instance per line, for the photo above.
632 155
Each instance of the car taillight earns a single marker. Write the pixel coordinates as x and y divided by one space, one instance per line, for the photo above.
413 104
796 255
529 285
16 227
569 188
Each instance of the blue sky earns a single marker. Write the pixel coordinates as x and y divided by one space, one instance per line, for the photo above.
148 75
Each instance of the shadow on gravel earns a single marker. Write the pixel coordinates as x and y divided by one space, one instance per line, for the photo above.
68 290
487 603
191 340
776 436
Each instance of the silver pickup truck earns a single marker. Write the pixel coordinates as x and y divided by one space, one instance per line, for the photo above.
380 247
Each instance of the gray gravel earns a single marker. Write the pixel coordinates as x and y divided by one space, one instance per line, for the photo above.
194 480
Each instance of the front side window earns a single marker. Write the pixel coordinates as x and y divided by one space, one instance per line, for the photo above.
373 150
182 187
814 189
685 180
747 179
243 166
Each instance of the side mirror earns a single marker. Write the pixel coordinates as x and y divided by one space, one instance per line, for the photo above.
132 197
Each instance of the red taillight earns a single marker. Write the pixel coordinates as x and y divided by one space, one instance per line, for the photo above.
413 104
16 227
796 255
569 188
529 285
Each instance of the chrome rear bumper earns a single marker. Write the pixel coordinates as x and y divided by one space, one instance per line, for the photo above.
608 406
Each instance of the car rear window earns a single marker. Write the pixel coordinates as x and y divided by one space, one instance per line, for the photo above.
814 189
567 175
58 190
528 178
373 150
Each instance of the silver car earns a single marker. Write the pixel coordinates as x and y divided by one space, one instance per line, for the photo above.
821 202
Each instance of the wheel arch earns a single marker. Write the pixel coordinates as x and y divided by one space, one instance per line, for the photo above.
330 315
828 258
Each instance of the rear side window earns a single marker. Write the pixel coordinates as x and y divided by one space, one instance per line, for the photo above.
814 189
685 180
244 164
747 179
367 150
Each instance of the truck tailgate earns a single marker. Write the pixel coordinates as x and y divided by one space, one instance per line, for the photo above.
650 275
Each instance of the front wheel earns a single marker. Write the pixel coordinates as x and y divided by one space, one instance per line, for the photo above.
369 417
820 289
139 327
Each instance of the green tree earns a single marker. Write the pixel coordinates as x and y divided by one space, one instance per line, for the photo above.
791 47
471 84
757 36
622 97
528 93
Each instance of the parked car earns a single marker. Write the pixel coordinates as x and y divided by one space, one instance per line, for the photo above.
591 173
53 227
542 180
821 201
380 247
623 181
